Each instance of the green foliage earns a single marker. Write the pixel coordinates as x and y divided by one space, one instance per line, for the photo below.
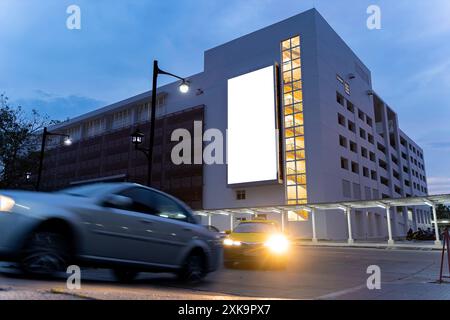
19 142
442 212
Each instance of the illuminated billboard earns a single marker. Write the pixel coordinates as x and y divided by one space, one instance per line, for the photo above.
252 147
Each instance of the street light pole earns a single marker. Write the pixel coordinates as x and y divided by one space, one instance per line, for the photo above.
152 123
45 134
41 158
184 87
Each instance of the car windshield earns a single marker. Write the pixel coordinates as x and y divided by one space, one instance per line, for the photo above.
255 227
84 191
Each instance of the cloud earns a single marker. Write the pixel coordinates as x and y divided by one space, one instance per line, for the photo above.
59 107
438 72
439 185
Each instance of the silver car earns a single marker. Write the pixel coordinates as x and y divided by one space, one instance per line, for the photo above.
123 226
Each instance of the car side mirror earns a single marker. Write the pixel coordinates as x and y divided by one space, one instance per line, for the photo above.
227 231
115 200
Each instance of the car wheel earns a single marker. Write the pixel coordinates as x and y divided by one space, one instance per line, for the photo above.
193 269
125 276
45 253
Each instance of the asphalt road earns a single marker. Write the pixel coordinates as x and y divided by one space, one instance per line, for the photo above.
312 273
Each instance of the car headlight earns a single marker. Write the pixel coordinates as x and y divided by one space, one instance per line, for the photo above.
277 243
6 204
229 242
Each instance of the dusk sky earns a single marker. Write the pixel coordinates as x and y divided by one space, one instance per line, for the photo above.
65 73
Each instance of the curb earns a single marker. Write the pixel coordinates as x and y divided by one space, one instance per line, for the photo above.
369 246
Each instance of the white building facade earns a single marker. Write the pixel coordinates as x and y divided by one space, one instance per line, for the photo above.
329 137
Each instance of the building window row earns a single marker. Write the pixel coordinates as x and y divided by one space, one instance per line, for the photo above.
353 109
355 168
353 190
351 126
353 146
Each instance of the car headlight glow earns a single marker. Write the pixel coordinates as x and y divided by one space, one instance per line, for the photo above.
277 243
6 204
229 242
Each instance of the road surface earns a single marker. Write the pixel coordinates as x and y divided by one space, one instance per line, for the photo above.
313 273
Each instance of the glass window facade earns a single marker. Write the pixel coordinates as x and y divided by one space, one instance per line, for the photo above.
295 168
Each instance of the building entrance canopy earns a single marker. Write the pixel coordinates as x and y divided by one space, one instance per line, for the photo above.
346 206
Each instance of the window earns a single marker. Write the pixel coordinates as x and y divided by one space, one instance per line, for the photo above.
381 148
366 172
296 188
340 99
356 191
372 157
362 133
355 167
384 181
74 133
376 194
370 138
341 119
407 183
396 175
154 203
344 164
368 193
343 141
350 107
143 113
404 156
95 127
405 169
351 126
121 119
347 88
346 189
369 121
394 159
241 195
339 78
364 152
403 142
382 164
361 115
374 175
353 147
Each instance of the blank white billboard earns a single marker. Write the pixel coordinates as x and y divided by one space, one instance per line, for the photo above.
252 137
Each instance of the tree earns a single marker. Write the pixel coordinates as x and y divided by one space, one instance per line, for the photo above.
442 212
19 142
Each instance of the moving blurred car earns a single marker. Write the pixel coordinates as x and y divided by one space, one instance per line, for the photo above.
123 226
220 234
258 241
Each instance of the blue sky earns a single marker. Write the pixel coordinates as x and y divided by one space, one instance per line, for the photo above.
65 72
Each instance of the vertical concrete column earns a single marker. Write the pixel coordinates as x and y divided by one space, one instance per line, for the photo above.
313 221
349 225
209 219
283 222
436 229
388 219
231 221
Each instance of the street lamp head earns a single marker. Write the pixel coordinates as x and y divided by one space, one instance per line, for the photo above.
184 86
28 176
67 141
137 137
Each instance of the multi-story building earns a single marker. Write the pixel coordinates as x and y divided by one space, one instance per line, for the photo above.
304 126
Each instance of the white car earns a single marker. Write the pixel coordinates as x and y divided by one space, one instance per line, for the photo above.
123 226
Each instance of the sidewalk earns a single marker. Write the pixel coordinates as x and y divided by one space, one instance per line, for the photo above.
401 244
